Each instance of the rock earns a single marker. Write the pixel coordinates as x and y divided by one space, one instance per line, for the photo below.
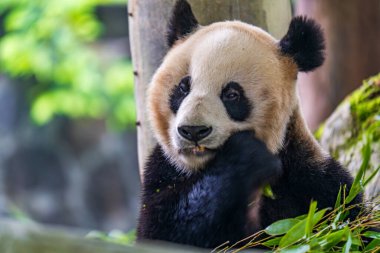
356 120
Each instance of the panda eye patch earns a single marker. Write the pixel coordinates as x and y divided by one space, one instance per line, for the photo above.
179 93
184 85
236 103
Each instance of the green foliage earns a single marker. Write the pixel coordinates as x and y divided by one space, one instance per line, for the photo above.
365 104
114 236
18 214
50 43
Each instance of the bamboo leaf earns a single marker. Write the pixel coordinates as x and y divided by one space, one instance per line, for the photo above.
281 227
297 232
347 246
294 234
272 242
372 234
374 173
309 220
338 198
336 220
373 246
332 239
296 249
267 192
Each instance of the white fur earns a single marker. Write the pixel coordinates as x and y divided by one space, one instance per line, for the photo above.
214 56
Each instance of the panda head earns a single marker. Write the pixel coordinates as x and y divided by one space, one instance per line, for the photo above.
223 78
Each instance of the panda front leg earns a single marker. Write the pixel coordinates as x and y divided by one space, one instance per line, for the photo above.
208 208
306 178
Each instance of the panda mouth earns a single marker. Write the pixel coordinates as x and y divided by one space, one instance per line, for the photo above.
198 151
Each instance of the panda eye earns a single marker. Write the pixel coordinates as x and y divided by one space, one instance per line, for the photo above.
235 101
179 93
231 95
184 85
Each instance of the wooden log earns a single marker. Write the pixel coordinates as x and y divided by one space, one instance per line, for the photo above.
21 237
147 25
16 237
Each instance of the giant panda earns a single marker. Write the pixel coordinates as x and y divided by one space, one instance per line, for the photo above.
224 109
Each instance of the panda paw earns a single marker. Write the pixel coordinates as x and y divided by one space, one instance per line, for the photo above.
250 158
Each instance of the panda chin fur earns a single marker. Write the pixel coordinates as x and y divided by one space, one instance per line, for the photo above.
239 80
186 162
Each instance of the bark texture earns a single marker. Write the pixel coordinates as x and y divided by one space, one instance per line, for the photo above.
148 20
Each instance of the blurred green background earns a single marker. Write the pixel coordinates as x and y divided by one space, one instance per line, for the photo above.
67 113
51 45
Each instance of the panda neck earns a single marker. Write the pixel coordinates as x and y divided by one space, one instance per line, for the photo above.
299 145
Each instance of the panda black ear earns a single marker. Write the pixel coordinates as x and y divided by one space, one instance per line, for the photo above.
182 22
305 43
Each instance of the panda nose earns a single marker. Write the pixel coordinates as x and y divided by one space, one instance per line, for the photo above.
194 133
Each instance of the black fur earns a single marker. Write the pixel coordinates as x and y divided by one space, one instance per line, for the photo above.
305 179
240 108
182 22
210 207
304 42
178 94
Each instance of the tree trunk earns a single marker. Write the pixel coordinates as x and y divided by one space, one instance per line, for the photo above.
148 20
352 30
